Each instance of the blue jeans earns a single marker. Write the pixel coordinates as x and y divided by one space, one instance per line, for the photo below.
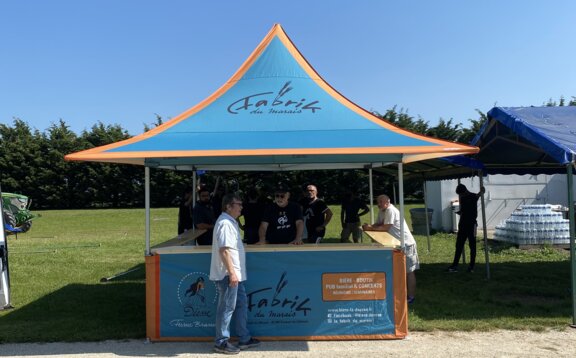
232 304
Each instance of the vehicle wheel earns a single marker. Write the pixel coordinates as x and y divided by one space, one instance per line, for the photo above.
26 226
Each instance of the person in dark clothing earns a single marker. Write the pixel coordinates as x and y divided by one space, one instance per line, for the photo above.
316 214
185 221
282 222
252 212
466 226
204 217
352 209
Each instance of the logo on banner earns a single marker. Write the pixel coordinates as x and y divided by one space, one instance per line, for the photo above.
197 295
274 103
278 302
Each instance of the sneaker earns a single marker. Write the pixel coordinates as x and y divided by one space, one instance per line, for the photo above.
411 300
226 348
470 270
252 342
451 269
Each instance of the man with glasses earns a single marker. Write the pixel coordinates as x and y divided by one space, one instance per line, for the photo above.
282 222
228 270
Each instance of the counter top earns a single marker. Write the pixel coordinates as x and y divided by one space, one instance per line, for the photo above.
186 244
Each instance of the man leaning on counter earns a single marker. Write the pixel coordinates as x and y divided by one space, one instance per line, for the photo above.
282 222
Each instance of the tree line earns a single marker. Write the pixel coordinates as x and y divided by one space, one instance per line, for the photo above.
32 163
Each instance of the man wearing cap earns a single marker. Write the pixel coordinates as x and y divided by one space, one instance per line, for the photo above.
282 222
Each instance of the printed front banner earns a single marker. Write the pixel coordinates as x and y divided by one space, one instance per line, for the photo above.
290 294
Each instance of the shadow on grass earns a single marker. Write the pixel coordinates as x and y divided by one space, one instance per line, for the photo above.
82 312
135 273
516 290
517 293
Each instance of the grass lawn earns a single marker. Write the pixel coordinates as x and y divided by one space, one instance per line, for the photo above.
56 269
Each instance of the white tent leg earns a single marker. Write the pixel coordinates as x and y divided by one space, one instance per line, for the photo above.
147 208
401 197
484 229
570 182
426 217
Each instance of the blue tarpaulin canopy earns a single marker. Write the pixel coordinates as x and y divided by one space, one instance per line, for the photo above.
527 140
514 140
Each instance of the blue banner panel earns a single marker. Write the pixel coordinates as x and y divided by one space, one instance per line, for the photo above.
290 294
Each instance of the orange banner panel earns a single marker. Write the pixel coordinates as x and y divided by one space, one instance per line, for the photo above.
354 286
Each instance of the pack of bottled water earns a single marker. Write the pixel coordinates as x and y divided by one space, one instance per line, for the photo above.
534 225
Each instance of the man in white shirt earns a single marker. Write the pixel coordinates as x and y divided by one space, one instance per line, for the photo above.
389 221
228 270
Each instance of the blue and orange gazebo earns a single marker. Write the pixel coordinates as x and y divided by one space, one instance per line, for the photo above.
277 113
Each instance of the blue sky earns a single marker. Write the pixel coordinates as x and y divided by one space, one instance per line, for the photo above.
123 61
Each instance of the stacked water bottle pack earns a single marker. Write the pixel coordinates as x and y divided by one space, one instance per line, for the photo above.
533 225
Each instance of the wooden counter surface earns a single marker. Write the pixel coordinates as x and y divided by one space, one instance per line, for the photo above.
186 243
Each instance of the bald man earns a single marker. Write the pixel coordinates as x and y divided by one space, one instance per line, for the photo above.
389 221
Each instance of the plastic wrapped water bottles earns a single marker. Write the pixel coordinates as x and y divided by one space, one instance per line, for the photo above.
534 225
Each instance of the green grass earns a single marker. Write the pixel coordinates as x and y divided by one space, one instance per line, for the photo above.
56 269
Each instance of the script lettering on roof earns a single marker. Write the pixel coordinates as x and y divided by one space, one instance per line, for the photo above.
274 103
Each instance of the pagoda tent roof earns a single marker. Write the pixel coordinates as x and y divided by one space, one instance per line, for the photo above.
274 113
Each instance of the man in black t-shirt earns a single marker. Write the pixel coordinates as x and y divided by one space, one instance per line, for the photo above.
204 217
466 226
352 209
282 222
252 212
317 215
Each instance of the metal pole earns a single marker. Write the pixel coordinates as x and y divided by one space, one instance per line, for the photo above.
426 216
401 197
147 208
484 229
463 248
371 196
570 182
194 181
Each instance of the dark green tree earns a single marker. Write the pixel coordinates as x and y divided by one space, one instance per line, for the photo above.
467 134
20 158
56 177
445 130
104 185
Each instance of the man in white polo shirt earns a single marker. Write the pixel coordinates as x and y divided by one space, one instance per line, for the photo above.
389 221
228 270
